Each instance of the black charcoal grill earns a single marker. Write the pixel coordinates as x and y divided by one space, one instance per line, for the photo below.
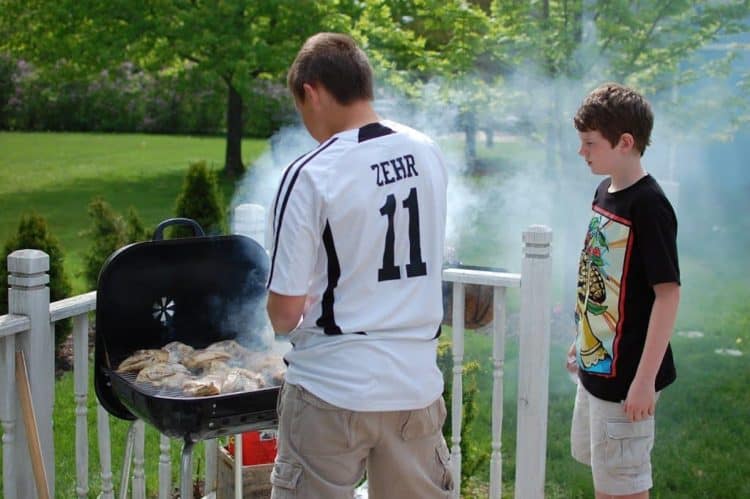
197 290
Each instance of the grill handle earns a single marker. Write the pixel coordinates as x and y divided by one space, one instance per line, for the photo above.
159 231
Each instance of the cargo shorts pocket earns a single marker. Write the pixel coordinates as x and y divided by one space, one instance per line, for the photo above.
628 445
426 422
284 478
444 465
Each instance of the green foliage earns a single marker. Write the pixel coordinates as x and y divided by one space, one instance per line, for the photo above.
201 200
7 86
108 232
33 233
475 458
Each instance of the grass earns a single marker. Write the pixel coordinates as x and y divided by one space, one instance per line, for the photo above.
57 176
702 426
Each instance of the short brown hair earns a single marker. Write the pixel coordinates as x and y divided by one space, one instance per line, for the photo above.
335 61
613 109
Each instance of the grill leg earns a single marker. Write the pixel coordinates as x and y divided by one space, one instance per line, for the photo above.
186 471
127 460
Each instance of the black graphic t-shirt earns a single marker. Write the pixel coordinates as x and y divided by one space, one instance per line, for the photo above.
630 245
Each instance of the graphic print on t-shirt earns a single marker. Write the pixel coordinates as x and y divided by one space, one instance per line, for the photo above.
601 268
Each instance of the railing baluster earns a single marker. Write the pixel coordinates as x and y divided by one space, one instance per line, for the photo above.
498 363
165 468
81 380
139 474
105 453
458 390
211 448
7 413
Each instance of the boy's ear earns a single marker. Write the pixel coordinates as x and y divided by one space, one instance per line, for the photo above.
627 142
311 93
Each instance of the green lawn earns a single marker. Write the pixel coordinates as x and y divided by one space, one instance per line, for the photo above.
57 175
702 426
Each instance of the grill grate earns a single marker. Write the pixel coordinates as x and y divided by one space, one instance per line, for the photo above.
151 390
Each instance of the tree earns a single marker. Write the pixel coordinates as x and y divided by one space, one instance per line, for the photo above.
108 232
200 200
238 41
33 233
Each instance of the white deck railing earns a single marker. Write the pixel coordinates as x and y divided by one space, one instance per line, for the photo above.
29 328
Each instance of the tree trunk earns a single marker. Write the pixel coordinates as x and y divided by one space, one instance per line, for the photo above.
233 167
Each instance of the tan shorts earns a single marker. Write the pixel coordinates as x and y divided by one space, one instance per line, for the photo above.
618 451
323 451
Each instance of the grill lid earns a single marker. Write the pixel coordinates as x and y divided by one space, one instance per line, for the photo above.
197 290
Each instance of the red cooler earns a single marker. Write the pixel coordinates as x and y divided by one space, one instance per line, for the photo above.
258 447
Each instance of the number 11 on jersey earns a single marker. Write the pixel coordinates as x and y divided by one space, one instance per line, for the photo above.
416 267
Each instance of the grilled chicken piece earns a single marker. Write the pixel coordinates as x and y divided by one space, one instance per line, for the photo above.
234 349
216 367
270 367
141 359
240 380
273 374
200 359
203 386
164 375
178 351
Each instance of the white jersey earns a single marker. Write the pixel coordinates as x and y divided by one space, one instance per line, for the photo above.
358 227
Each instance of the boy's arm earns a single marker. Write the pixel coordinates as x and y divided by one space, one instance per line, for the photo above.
285 312
641 398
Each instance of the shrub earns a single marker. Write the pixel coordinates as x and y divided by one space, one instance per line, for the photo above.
201 200
109 231
7 87
33 234
474 458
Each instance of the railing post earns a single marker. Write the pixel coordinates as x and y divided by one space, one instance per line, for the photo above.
81 388
165 468
29 295
533 363
457 392
105 455
8 398
139 471
498 368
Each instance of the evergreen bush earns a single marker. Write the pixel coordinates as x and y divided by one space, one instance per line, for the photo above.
201 200
109 231
33 234
474 458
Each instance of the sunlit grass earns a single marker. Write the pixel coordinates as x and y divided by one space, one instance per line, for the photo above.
57 175
702 426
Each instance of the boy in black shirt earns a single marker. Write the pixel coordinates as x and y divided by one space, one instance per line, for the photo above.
628 294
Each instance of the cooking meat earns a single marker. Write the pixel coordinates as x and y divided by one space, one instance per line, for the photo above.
141 359
240 380
234 349
202 358
168 375
203 386
178 351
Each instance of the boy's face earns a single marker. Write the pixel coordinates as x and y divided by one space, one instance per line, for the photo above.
599 154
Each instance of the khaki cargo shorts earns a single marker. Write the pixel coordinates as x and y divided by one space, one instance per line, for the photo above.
323 451
617 450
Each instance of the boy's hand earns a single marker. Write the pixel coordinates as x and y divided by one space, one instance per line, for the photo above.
571 365
641 401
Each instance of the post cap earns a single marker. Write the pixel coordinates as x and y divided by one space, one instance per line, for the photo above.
537 234
28 261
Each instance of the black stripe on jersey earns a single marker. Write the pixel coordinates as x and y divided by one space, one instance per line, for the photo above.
286 200
327 320
281 186
373 131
